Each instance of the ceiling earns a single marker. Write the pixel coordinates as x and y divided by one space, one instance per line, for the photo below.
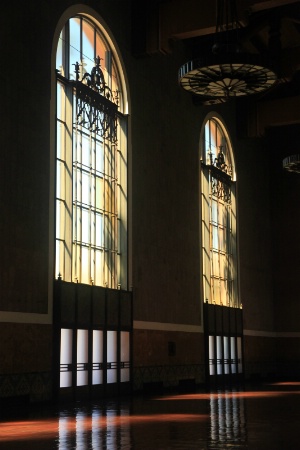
269 27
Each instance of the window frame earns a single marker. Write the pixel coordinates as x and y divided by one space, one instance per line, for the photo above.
119 277
227 177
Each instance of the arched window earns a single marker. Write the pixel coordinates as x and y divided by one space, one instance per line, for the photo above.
92 305
91 158
223 323
219 234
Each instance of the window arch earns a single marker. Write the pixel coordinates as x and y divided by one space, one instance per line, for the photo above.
92 306
219 221
91 157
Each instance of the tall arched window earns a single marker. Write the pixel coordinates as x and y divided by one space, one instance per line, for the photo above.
223 323
91 158
219 234
92 305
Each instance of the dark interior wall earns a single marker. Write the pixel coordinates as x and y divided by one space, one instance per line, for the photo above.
165 190
285 217
25 348
255 242
24 159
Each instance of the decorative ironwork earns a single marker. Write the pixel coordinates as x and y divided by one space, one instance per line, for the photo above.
95 80
96 104
220 190
219 161
220 175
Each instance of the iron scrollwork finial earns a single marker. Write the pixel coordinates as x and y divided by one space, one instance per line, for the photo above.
96 81
220 160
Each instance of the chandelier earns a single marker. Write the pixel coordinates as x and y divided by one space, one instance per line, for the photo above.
292 163
226 71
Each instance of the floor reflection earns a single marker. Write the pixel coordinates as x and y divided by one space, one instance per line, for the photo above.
100 428
265 418
227 418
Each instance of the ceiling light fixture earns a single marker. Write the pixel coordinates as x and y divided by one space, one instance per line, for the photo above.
226 71
292 163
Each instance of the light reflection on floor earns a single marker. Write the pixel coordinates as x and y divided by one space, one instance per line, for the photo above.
265 418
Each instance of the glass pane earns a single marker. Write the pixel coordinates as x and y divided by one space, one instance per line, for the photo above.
74 45
76 262
77 184
85 188
85 265
97 346
65 379
66 346
100 49
93 190
92 228
115 85
59 222
233 354
97 377
99 230
59 60
85 234
222 239
77 147
211 351
82 346
77 223
88 46
226 354
219 136
82 357
86 159
59 101
109 160
216 290
219 355
215 237
215 264
214 211
112 356
98 275
225 215
59 170
223 265
66 338
99 157
99 193
223 292
58 259
59 143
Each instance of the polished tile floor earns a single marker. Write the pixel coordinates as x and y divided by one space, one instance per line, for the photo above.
265 417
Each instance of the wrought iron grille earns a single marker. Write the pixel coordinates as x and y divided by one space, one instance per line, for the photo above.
96 104
220 174
220 185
